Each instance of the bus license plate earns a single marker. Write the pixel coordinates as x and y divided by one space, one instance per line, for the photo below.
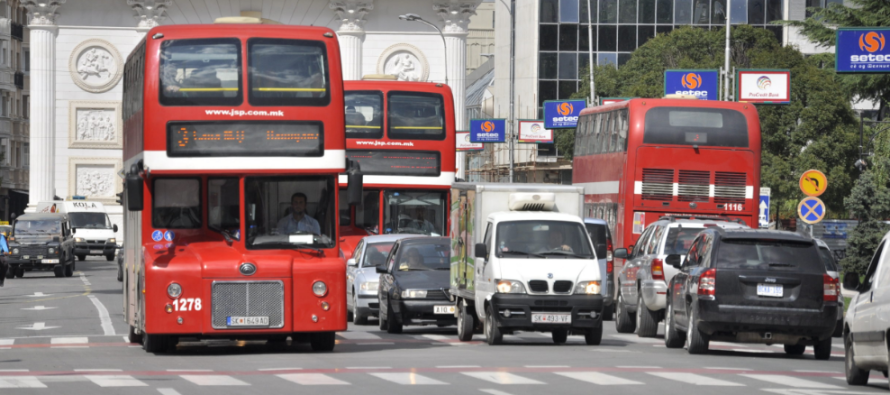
95 251
247 321
552 318
443 309
771 290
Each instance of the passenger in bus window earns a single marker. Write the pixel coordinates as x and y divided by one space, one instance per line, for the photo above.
298 220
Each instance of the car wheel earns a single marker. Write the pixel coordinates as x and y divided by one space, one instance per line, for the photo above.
594 336
696 342
672 337
559 336
358 318
493 334
132 336
120 273
350 313
623 321
109 258
855 376
381 319
838 329
392 326
20 272
609 312
322 341
465 323
59 271
795 349
81 257
822 349
647 325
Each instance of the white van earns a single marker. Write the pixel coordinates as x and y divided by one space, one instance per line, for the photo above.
94 234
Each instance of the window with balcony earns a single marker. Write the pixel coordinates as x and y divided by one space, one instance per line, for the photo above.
26 151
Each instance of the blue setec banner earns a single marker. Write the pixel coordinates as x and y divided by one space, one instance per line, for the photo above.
488 130
562 114
699 83
862 50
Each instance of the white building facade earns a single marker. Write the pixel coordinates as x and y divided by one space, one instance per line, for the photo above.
78 49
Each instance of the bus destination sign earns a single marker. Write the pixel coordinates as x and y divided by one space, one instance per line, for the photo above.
396 163
256 138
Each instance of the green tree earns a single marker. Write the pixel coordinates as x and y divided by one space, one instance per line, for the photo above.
870 203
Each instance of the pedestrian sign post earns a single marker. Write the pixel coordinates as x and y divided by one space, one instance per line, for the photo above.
811 210
813 183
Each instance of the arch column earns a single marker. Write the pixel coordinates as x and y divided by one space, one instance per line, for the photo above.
351 34
149 13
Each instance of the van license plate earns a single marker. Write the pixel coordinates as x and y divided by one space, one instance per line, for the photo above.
443 309
552 318
95 251
247 321
771 290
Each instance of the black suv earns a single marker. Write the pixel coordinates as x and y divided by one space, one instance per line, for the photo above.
751 286
41 242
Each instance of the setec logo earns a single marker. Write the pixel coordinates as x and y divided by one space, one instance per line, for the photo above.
692 81
764 83
871 42
488 126
565 109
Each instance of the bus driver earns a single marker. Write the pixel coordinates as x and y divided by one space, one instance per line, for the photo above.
298 220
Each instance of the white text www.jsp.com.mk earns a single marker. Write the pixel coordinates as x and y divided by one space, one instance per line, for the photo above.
242 113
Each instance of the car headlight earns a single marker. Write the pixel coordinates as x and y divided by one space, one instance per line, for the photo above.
588 288
15 251
414 294
78 239
112 240
320 289
51 250
369 286
174 290
510 287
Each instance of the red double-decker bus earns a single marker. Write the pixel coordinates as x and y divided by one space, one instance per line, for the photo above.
644 158
234 139
401 135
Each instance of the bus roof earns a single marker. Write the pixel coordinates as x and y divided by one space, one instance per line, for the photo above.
669 102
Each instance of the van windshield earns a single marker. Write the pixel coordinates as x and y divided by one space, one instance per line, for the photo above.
36 227
542 239
89 220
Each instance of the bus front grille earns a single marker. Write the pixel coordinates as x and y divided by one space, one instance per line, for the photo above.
247 299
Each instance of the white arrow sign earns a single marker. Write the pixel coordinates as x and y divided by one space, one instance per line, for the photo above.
38 326
38 295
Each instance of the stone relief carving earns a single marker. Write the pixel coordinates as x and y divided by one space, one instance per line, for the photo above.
95 65
404 61
94 124
43 13
149 13
352 14
94 178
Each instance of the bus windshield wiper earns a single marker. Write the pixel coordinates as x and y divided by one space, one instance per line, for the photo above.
523 253
318 251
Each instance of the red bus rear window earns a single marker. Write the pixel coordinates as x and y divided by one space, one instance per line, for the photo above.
288 72
204 72
416 116
705 127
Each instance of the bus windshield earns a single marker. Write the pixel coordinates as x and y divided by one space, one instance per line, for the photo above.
414 212
201 72
89 220
704 127
290 212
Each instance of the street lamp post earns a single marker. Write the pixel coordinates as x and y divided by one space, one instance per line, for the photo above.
417 18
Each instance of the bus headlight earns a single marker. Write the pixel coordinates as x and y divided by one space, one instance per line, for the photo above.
510 287
174 290
320 289
588 287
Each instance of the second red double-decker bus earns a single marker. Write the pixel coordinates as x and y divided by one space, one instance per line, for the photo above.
644 158
234 140
401 136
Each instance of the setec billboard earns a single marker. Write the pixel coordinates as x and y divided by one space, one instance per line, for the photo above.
488 130
699 83
562 114
534 132
464 144
764 86
862 50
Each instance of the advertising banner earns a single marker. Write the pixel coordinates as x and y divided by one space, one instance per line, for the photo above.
534 132
464 144
699 83
488 130
862 50
764 86
562 114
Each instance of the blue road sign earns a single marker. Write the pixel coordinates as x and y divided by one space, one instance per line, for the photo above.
862 50
562 114
763 218
699 83
488 130
811 210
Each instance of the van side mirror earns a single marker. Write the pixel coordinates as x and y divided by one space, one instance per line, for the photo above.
620 253
480 251
851 281
381 269
674 260
134 187
114 228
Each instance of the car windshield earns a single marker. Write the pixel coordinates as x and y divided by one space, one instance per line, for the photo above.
375 254
679 240
828 259
414 212
423 257
89 220
37 227
550 239
759 254
290 212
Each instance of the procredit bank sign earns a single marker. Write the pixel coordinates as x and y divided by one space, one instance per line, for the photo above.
764 86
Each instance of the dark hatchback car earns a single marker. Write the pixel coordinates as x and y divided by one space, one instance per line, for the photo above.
751 286
414 284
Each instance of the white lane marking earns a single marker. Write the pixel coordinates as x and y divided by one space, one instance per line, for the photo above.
610 350
547 366
311 379
639 367
408 378
212 380
458 366
753 351
14 370
84 279
126 339
695 379
274 369
37 308
789 381
357 335
38 326
444 339
494 392
368 367
598 378
116 381
637 339
104 317
69 340
716 368
38 295
21 382
98 370
189 370
374 343
501 378
7 342
168 391
815 371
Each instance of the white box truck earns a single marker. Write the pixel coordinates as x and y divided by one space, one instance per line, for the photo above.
93 230
521 260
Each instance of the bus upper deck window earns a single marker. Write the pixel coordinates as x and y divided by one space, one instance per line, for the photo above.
364 114
288 72
200 72
415 116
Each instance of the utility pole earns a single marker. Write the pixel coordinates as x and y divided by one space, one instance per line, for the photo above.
590 53
510 120
726 83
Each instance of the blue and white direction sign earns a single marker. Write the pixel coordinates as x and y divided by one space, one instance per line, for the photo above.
488 130
862 50
562 114
763 217
811 210
699 83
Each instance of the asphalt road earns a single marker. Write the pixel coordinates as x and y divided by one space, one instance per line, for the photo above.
66 336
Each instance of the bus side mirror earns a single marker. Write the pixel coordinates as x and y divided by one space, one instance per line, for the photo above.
134 188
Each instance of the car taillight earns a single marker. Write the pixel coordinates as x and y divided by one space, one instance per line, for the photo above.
707 283
657 269
609 256
610 267
829 288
